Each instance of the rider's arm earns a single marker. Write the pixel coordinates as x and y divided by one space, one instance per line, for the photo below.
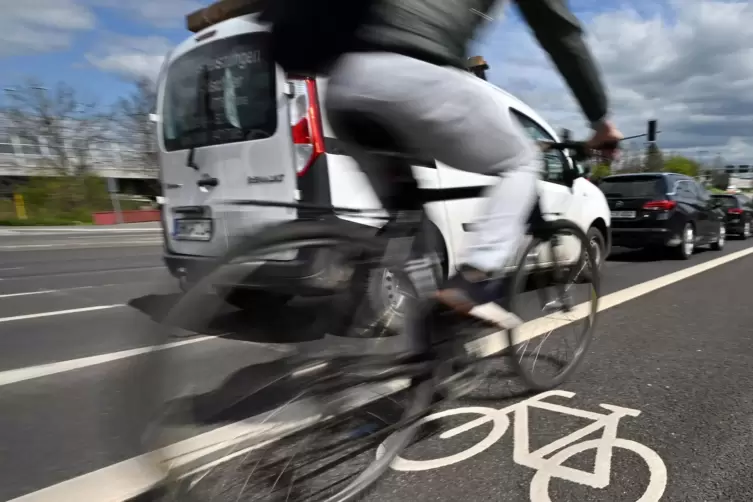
560 34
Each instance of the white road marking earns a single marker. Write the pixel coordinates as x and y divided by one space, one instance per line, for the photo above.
61 312
40 292
11 268
497 342
64 290
137 475
43 370
71 230
84 272
122 481
135 242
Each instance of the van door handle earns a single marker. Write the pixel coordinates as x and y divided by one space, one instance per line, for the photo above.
208 182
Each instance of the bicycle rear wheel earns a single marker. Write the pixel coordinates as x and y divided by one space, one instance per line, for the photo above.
262 434
542 291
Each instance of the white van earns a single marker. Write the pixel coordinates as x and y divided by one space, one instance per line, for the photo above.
232 126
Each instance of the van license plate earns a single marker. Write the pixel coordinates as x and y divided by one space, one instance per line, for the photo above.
192 230
623 214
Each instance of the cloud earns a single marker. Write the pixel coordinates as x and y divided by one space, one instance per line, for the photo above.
131 57
158 13
34 26
687 63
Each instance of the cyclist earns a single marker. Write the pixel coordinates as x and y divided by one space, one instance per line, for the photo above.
406 71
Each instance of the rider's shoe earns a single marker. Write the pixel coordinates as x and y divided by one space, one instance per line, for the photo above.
473 292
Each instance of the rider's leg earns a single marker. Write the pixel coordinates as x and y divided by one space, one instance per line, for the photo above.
454 117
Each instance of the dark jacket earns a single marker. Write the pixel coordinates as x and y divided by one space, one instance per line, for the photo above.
440 32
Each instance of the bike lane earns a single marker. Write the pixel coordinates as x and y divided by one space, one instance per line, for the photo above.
669 376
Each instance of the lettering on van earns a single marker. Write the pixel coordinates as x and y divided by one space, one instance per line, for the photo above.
277 178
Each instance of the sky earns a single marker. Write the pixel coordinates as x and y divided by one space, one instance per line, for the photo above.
686 63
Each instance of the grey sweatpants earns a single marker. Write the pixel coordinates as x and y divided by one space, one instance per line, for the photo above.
456 118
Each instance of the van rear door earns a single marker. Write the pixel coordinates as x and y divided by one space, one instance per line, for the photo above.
224 135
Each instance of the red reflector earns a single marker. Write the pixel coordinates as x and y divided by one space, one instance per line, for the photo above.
735 211
660 205
300 133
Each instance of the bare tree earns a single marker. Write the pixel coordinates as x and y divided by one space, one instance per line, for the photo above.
132 113
68 126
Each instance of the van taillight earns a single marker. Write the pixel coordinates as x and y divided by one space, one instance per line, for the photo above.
305 123
660 205
735 210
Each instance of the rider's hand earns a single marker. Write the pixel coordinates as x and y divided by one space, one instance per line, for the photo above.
606 135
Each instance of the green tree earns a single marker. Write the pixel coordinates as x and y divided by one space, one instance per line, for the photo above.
682 165
600 171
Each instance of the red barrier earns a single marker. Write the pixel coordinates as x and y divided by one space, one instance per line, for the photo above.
134 216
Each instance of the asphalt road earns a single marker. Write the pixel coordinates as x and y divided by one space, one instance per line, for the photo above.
74 400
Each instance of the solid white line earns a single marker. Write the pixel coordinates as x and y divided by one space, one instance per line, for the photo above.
22 374
86 272
63 290
11 268
40 292
121 481
73 230
497 342
60 312
135 242
135 476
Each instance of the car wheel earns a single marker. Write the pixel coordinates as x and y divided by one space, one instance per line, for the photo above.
251 299
687 244
598 245
746 231
388 295
721 238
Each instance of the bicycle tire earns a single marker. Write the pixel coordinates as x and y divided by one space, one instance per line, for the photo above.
290 233
520 274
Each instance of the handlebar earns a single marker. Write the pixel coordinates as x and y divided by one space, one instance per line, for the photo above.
580 148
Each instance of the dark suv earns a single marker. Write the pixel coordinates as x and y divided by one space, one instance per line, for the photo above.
663 210
739 213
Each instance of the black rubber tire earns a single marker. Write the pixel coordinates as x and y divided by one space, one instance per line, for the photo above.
743 235
594 235
681 251
518 281
364 283
422 392
718 245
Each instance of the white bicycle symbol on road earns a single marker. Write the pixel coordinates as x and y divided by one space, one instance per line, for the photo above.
566 447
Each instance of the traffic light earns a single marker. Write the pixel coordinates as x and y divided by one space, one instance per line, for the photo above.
652 131
565 135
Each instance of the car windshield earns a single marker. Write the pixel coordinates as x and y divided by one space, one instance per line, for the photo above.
220 92
632 186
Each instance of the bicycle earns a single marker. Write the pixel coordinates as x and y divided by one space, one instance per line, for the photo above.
335 258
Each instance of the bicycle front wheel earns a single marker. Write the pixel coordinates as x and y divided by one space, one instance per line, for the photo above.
250 430
548 291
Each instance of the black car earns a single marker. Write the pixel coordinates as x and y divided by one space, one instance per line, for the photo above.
739 213
657 210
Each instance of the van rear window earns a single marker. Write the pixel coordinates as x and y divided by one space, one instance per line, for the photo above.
633 186
221 92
